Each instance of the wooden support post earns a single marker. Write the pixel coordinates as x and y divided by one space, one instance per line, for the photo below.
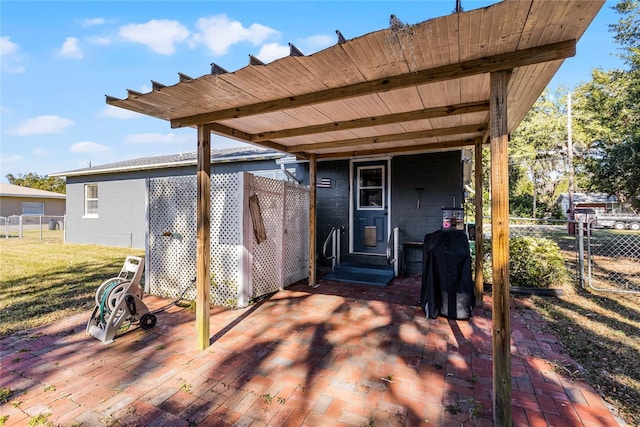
479 277
500 250
203 256
312 219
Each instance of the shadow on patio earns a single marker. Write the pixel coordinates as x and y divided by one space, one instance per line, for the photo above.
333 355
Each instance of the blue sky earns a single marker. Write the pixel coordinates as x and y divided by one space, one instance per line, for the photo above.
59 60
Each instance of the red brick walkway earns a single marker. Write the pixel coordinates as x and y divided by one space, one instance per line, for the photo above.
335 355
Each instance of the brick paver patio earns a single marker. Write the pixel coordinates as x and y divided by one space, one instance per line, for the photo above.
336 355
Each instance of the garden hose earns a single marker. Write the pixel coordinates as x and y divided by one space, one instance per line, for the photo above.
104 299
184 291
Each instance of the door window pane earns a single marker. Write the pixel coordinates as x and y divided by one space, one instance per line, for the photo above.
371 177
371 187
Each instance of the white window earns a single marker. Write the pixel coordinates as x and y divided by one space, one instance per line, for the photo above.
32 208
91 200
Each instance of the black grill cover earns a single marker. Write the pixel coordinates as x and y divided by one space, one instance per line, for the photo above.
447 287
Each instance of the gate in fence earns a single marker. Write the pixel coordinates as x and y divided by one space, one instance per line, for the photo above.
609 260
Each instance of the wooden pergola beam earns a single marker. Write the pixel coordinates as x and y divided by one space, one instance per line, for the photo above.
422 114
380 139
501 335
247 137
203 252
488 64
478 203
413 149
313 172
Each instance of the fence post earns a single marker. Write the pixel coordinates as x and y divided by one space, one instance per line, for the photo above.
40 218
580 235
20 227
588 254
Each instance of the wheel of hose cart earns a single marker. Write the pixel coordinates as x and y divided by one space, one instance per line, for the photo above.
148 321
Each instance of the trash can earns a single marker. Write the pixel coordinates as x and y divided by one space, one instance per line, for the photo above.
54 225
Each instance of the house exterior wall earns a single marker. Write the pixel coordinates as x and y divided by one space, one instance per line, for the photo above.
438 174
333 204
13 205
121 218
122 201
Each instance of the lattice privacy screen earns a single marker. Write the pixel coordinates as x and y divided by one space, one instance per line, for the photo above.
241 269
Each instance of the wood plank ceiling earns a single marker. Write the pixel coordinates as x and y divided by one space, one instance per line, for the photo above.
404 89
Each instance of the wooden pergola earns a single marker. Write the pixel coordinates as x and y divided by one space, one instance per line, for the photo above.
460 80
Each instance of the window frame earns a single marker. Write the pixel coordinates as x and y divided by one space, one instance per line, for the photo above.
87 199
39 213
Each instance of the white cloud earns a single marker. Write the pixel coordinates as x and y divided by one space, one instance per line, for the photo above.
118 113
90 22
40 152
10 57
88 147
10 158
272 51
158 138
98 40
42 125
159 35
218 33
318 42
71 48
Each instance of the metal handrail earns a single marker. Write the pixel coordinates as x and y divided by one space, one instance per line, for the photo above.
391 246
326 242
334 238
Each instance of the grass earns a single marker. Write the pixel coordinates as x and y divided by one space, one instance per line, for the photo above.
43 282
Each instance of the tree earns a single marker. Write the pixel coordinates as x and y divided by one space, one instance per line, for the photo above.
608 113
33 180
537 163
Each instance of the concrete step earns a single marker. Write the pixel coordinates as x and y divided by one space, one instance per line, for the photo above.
378 275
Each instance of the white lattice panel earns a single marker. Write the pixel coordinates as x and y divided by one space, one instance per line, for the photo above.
172 259
226 238
277 262
295 234
268 254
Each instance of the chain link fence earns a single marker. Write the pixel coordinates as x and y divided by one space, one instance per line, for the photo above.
43 228
604 260
611 259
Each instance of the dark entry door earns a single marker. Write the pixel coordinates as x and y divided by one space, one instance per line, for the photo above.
370 207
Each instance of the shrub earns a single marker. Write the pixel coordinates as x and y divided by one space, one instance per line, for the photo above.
533 263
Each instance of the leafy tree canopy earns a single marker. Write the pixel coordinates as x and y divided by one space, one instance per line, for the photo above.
610 117
537 157
33 180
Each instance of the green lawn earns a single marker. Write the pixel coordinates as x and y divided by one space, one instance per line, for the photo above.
42 282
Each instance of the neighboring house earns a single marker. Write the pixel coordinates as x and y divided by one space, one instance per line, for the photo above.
107 204
599 202
17 200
